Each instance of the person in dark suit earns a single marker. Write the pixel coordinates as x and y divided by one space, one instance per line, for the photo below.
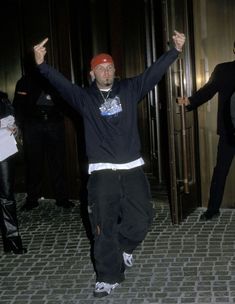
11 238
39 115
221 81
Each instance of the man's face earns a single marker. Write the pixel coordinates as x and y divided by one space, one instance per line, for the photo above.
104 75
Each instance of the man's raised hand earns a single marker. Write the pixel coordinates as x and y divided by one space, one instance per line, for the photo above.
179 40
40 51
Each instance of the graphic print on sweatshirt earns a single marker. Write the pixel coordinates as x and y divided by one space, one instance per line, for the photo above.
111 106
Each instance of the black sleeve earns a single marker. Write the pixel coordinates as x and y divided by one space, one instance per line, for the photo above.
205 93
6 107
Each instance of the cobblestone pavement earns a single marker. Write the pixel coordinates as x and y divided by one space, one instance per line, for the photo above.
189 263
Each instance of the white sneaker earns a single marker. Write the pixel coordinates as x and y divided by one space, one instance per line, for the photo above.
103 289
128 259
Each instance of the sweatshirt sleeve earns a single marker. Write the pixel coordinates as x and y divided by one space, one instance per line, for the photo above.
70 92
146 81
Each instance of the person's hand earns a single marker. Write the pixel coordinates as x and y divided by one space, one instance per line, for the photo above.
183 101
40 51
13 128
179 40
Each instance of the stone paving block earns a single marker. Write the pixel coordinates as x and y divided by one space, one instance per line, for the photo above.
188 263
169 301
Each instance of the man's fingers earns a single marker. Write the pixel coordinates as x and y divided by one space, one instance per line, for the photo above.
40 51
179 40
42 43
178 33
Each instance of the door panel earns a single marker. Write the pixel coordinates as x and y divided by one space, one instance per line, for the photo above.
153 106
183 143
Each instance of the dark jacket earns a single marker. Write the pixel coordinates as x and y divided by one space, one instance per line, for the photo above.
5 106
25 105
111 137
222 81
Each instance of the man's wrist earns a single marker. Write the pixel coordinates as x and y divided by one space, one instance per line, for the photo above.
178 49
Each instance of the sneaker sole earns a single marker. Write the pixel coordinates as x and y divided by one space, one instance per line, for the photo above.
100 294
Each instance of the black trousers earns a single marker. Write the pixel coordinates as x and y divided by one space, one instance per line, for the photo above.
8 218
7 178
225 154
45 140
120 213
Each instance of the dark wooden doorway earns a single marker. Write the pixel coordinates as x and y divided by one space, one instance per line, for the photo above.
135 33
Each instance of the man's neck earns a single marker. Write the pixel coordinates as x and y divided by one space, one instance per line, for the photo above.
104 88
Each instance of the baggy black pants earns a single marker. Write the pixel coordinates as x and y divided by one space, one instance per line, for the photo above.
121 214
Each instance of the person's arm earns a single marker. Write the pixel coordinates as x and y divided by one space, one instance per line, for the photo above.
146 81
70 92
205 93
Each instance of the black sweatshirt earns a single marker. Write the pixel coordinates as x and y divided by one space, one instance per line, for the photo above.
111 129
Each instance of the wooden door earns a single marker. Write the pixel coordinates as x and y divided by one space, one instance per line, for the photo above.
183 145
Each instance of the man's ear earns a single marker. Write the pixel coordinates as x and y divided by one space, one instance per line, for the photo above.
92 75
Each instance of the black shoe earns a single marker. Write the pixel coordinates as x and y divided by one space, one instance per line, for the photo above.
21 250
208 215
14 245
65 204
29 206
